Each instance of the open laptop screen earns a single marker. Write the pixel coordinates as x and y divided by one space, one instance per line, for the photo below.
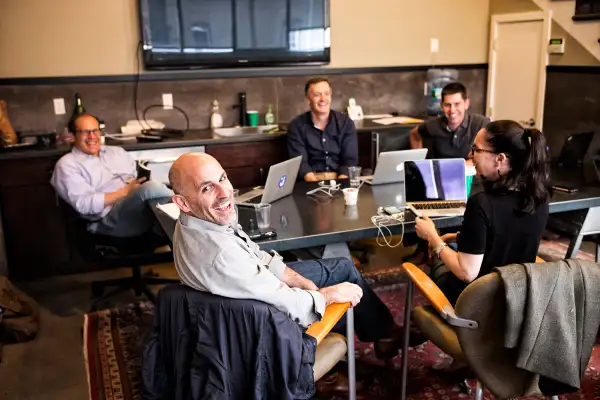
435 180
574 149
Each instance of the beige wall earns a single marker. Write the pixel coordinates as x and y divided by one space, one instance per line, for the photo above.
67 37
398 32
512 6
581 46
575 52
99 37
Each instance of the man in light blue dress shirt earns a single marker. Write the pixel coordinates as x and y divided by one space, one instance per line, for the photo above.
100 183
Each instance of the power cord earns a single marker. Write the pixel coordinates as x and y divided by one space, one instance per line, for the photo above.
381 221
146 125
137 83
329 189
187 120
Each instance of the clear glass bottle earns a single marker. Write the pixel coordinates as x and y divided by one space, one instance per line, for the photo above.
269 116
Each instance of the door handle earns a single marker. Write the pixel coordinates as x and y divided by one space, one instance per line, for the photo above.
530 123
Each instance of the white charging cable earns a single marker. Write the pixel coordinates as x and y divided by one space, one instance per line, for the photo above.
381 221
327 188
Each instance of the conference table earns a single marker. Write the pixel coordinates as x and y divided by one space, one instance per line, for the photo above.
303 221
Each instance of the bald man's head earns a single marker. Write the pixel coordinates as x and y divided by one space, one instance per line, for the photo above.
86 129
202 189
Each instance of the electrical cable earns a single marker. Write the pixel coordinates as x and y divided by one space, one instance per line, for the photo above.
135 99
329 189
137 82
380 221
187 120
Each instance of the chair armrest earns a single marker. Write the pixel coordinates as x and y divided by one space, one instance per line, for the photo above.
333 313
436 297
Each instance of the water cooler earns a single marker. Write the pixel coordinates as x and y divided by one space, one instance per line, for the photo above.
436 80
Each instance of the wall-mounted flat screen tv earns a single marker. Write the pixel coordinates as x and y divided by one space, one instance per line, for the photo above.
181 34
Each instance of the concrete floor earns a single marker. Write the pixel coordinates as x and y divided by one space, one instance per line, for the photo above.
51 366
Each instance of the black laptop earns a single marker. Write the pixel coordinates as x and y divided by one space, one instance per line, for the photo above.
574 150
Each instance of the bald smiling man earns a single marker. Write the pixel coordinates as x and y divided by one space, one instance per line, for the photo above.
213 254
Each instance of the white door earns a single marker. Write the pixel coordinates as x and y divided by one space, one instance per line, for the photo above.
517 67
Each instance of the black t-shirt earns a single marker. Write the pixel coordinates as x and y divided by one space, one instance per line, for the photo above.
494 225
446 143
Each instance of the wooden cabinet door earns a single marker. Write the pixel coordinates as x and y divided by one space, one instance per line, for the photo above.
247 164
34 232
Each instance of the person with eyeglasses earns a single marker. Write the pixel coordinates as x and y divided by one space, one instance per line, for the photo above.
100 183
503 224
451 134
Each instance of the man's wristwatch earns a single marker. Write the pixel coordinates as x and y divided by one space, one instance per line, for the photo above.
438 249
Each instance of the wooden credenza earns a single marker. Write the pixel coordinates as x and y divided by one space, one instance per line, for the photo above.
36 230
38 241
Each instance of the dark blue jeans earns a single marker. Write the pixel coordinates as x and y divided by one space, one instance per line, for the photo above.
372 319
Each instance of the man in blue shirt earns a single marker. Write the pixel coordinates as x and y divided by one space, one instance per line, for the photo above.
326 139
100 183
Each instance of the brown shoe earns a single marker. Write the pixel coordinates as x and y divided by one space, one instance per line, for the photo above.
335 383
388 348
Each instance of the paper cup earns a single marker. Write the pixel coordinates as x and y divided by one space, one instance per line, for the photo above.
350 196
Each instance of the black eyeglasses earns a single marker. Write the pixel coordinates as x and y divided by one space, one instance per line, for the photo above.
474 150
89 131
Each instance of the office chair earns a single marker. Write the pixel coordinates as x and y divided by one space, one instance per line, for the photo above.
474 340
116 252
182 308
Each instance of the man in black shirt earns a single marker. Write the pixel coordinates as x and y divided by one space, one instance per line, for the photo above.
453 133
326 139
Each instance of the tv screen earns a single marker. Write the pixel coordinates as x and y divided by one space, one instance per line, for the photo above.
180 34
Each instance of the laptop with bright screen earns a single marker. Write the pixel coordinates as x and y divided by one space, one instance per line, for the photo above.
436 188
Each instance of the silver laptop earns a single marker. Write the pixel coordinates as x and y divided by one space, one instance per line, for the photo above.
280 183
436 188
390 166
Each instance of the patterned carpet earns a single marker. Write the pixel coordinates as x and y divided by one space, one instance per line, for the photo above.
114 338
552 250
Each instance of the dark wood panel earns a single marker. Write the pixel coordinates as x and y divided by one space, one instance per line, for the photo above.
264 153
364 150
25 172
35 231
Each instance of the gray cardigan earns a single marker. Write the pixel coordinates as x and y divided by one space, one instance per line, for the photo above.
552 318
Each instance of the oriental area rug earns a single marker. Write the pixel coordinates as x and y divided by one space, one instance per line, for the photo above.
114 340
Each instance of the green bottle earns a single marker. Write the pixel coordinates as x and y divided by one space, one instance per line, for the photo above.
269 116
78 109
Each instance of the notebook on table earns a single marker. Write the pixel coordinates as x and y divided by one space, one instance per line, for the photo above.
436 188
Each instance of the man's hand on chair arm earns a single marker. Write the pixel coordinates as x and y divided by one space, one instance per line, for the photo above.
345 292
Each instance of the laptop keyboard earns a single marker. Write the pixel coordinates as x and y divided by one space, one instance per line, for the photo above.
438 205
254 200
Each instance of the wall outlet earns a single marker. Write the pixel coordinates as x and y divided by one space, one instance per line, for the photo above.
434 46
167 99
59 106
